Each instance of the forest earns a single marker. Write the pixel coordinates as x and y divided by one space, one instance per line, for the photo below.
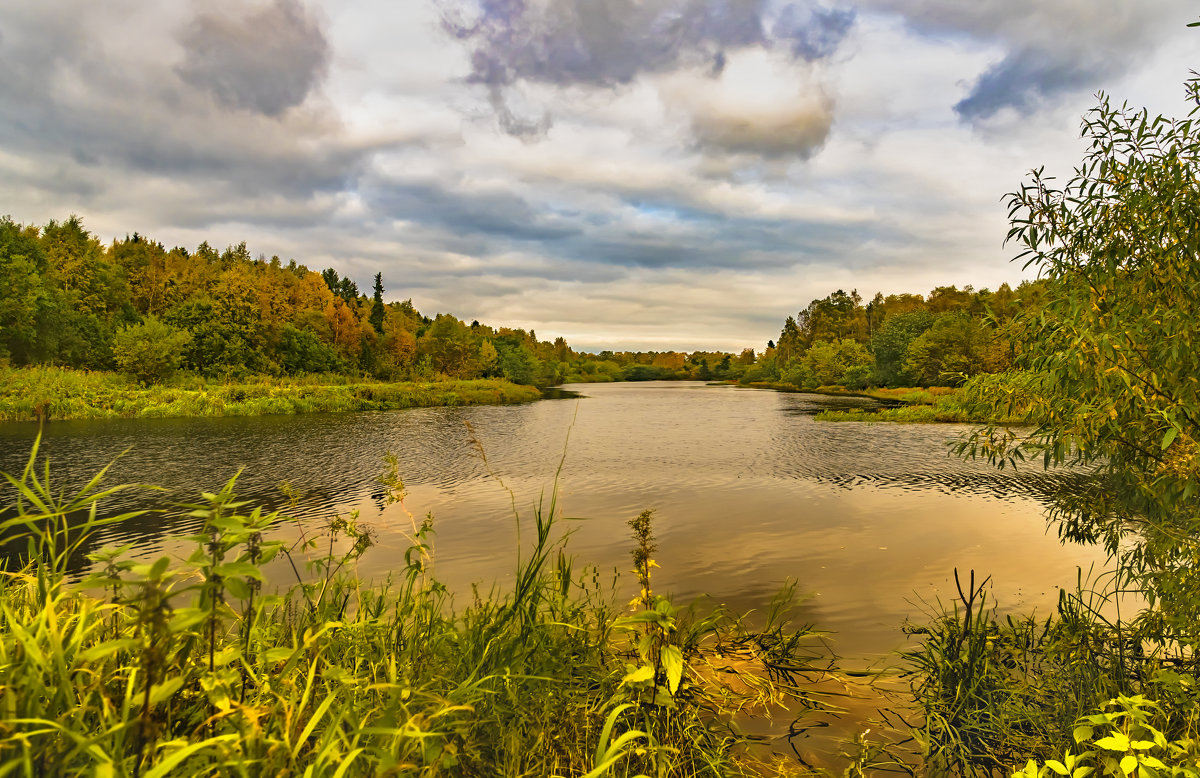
139 308
143 310
940 339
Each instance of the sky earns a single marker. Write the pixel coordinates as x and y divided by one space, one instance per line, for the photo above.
627 174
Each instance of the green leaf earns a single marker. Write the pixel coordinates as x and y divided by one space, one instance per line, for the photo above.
165 690
1129 764
640 675
1057 766
1117 741
178 750
1082 733
641 617
238 588
159 567
186 618
1030 770
243 569
108 648
606 732
272 655
1169 438
672 662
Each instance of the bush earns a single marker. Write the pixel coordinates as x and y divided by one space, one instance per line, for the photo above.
149 352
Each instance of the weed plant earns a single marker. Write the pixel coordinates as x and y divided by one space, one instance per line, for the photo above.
191 667
997 693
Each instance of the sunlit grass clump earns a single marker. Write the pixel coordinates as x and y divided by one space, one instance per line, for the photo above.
193 667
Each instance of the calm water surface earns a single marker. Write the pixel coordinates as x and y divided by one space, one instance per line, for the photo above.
749 491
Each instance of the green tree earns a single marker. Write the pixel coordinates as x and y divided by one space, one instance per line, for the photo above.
377 308
517 363
301 351
1111 361
149 352
890 344
837 316
827 363
489 359
225 336
25 303
951 350
790 343
448 344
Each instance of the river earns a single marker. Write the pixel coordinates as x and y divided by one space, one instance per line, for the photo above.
749 490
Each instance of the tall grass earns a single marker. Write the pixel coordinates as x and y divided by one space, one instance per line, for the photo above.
38 393
998 693
191 667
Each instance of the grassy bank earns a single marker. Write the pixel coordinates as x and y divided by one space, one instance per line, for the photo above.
934 404
190 667
60 393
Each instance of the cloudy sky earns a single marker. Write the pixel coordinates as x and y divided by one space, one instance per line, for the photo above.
626 173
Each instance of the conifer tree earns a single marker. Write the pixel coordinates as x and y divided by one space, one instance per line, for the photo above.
377 309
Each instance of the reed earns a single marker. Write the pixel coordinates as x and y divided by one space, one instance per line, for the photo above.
1001 696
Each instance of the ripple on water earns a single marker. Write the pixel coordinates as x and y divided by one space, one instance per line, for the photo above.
749 491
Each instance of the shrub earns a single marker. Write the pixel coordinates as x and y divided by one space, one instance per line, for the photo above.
149 352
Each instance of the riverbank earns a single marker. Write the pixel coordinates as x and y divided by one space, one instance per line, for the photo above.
53 393
912 405
936 404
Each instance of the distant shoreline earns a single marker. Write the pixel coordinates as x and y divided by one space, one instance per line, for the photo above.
64 394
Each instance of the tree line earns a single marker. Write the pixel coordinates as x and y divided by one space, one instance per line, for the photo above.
138 307
939 339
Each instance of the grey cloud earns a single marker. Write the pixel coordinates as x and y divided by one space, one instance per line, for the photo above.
1026 78
609 43
796 130
657 232
601 42
503 215
813 33
266 61
518 127
1051 50
707 239
107 99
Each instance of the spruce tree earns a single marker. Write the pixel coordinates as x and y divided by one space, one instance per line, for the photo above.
377 310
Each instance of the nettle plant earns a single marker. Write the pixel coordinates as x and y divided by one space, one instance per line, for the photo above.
659 673
1123 741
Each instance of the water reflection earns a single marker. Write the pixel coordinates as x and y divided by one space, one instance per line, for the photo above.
749 491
